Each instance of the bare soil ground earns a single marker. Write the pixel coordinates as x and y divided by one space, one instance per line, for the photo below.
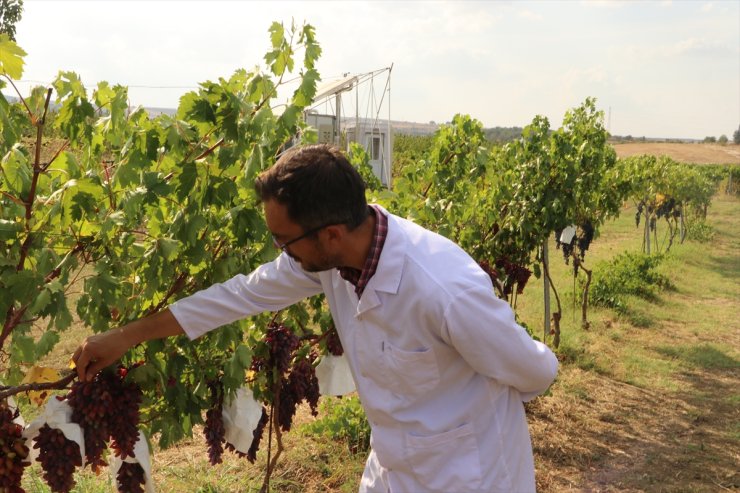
687 153
619 437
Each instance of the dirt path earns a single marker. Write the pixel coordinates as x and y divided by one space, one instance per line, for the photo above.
611 436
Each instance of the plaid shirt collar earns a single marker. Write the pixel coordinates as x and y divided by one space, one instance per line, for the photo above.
357 278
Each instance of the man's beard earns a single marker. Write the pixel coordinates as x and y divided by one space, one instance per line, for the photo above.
324 261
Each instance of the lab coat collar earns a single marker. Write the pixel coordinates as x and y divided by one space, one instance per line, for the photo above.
387 277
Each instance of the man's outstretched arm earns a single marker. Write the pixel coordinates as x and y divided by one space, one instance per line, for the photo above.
101 350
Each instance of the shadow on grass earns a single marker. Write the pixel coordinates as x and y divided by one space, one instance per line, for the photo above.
728 267
636 317
702 356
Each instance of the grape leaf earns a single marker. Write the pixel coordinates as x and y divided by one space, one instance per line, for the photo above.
11 58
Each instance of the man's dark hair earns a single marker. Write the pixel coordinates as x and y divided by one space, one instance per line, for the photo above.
318 186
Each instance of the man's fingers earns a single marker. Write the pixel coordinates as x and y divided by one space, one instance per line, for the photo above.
95 367
81 359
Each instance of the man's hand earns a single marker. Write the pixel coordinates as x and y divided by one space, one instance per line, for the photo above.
100 350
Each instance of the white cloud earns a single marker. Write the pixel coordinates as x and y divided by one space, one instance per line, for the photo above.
688 47
608 4
591 75
500 61
528 14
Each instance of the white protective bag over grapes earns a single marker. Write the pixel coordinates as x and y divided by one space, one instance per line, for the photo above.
241 416
141 457
57 414
334 376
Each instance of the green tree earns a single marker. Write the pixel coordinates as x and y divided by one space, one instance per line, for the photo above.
723 139
10 15
736 136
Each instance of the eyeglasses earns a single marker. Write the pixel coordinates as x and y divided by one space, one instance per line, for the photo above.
283 246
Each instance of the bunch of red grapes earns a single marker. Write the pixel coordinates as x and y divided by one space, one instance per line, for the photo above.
13 451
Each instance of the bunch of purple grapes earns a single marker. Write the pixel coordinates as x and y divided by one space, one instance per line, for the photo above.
214 430
257 437
333 343
130 478
13 451
91 404
281 342
59 456
124 425
515 275
106 408
301 384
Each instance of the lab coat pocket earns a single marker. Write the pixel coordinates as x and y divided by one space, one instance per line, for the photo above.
446 462
412 373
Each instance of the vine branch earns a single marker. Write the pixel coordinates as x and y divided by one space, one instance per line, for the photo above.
62 383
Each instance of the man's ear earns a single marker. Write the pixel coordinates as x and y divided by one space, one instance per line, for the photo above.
335 232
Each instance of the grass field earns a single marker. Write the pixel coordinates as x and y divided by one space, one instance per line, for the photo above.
648 401
686 153
645 401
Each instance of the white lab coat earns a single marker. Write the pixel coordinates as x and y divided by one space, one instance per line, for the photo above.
440 365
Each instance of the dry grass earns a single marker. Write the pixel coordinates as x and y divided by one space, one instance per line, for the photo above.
686 153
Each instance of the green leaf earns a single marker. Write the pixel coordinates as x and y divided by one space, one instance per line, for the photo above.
195 107
168 248
187 178
24 347
46 343
243 355
8 231
255 164
40 302
145 375
277 33
305 93
11 58
313 50
17 171
23 285
62 316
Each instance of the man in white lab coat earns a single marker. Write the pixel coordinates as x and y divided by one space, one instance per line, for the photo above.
441 367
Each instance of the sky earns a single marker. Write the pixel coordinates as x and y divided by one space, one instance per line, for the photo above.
656 68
